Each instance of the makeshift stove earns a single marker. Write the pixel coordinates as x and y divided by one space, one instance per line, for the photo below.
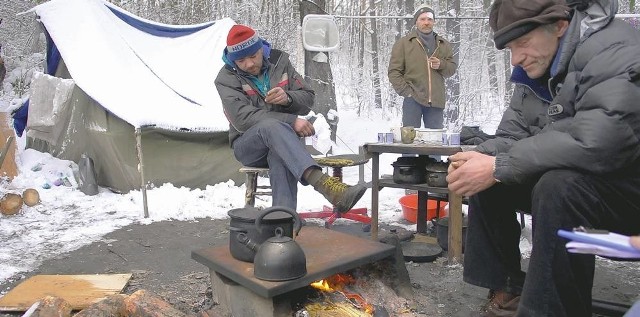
327 251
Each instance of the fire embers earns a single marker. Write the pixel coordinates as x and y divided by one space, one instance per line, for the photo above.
344 295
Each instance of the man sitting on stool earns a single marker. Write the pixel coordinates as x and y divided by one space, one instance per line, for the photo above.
262 96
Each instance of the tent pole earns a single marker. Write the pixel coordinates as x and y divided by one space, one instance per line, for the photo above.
141 169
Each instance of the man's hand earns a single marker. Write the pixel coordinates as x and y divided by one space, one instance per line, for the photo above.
434 62
277 96
635 242
303 127
470 173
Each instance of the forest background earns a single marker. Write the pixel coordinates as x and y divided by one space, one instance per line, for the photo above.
477 94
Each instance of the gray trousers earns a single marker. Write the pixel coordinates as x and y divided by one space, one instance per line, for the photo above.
274 144
557 283
412 112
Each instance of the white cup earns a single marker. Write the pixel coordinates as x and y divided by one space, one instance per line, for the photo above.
397 137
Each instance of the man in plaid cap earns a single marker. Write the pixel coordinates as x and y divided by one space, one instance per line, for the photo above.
262 96
566 150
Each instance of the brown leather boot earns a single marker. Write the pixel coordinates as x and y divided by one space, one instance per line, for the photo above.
501 304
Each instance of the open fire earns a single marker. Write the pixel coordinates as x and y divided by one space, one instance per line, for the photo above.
338 284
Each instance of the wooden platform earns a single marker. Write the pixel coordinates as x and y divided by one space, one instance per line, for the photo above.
80 291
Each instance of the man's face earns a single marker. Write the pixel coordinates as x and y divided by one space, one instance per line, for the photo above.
534 51
251 64
425 22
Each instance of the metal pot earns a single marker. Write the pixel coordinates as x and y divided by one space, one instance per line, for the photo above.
279 258
243 222
442 232
408 173
437 174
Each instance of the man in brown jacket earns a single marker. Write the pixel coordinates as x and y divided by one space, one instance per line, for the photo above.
420 61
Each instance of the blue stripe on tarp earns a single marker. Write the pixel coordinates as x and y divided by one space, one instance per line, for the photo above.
20 118
155 29
53 55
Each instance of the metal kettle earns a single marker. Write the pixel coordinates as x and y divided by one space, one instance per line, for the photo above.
279 258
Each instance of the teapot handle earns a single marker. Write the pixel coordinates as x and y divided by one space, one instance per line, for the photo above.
297 225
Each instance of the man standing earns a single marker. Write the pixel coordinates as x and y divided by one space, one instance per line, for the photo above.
262 96
420 61
567 150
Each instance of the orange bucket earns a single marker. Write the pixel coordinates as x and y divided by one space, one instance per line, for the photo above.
409 205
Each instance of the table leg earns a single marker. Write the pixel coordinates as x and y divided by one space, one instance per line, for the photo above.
375 194
421 218
455 228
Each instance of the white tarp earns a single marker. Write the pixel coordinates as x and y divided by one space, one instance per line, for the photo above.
144 79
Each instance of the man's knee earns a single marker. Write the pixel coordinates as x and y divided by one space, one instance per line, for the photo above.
556 183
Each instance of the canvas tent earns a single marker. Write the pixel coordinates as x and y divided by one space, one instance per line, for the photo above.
130 92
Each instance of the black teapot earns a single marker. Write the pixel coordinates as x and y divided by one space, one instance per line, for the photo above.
279 258
243 220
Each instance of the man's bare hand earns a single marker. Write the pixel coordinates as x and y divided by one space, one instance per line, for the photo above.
434 62
303 127
635 242
470 173
277 96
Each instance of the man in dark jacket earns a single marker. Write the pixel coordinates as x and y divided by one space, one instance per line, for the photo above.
262 96
420 61
566 150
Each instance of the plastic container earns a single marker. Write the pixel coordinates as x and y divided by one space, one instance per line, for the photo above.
87 176
409 205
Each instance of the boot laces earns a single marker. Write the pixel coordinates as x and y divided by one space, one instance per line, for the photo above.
335 185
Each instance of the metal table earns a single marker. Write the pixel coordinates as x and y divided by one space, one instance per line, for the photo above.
455 201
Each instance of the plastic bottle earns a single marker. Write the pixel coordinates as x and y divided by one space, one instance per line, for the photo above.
87 176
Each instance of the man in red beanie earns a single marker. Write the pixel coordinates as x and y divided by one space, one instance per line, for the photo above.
262 96
419 63
566 150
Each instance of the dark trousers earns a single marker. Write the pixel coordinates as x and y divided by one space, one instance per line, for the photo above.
274 144
556 283
412 112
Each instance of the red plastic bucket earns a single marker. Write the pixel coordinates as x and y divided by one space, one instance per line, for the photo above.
409 205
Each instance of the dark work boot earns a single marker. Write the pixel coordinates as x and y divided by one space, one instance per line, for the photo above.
501 304
342 196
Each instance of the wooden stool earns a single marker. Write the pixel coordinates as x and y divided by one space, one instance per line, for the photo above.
251 182
329 213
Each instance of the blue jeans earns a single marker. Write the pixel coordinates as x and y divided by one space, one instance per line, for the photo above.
557 283
412 111
274 144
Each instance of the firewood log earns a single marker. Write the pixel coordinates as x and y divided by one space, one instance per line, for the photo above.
112 306
51 306
145 304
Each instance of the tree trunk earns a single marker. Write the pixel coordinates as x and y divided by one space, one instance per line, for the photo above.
374 56
318 74
453 82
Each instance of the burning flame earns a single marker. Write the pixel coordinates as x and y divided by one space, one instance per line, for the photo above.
337 283
322 285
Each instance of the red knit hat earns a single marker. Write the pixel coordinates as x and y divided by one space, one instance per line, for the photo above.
242 41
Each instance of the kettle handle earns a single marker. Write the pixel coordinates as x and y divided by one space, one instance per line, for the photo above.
297 225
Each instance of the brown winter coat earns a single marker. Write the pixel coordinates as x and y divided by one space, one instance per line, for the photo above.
409 72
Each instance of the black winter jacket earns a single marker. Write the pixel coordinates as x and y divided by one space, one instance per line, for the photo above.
592 124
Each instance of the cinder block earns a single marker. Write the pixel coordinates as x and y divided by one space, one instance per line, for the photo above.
239 301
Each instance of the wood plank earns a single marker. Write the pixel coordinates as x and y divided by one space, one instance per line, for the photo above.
80 291
8 167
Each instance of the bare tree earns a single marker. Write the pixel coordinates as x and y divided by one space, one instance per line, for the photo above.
317 70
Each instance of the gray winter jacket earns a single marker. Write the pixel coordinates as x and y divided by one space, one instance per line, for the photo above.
244 104
592 123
